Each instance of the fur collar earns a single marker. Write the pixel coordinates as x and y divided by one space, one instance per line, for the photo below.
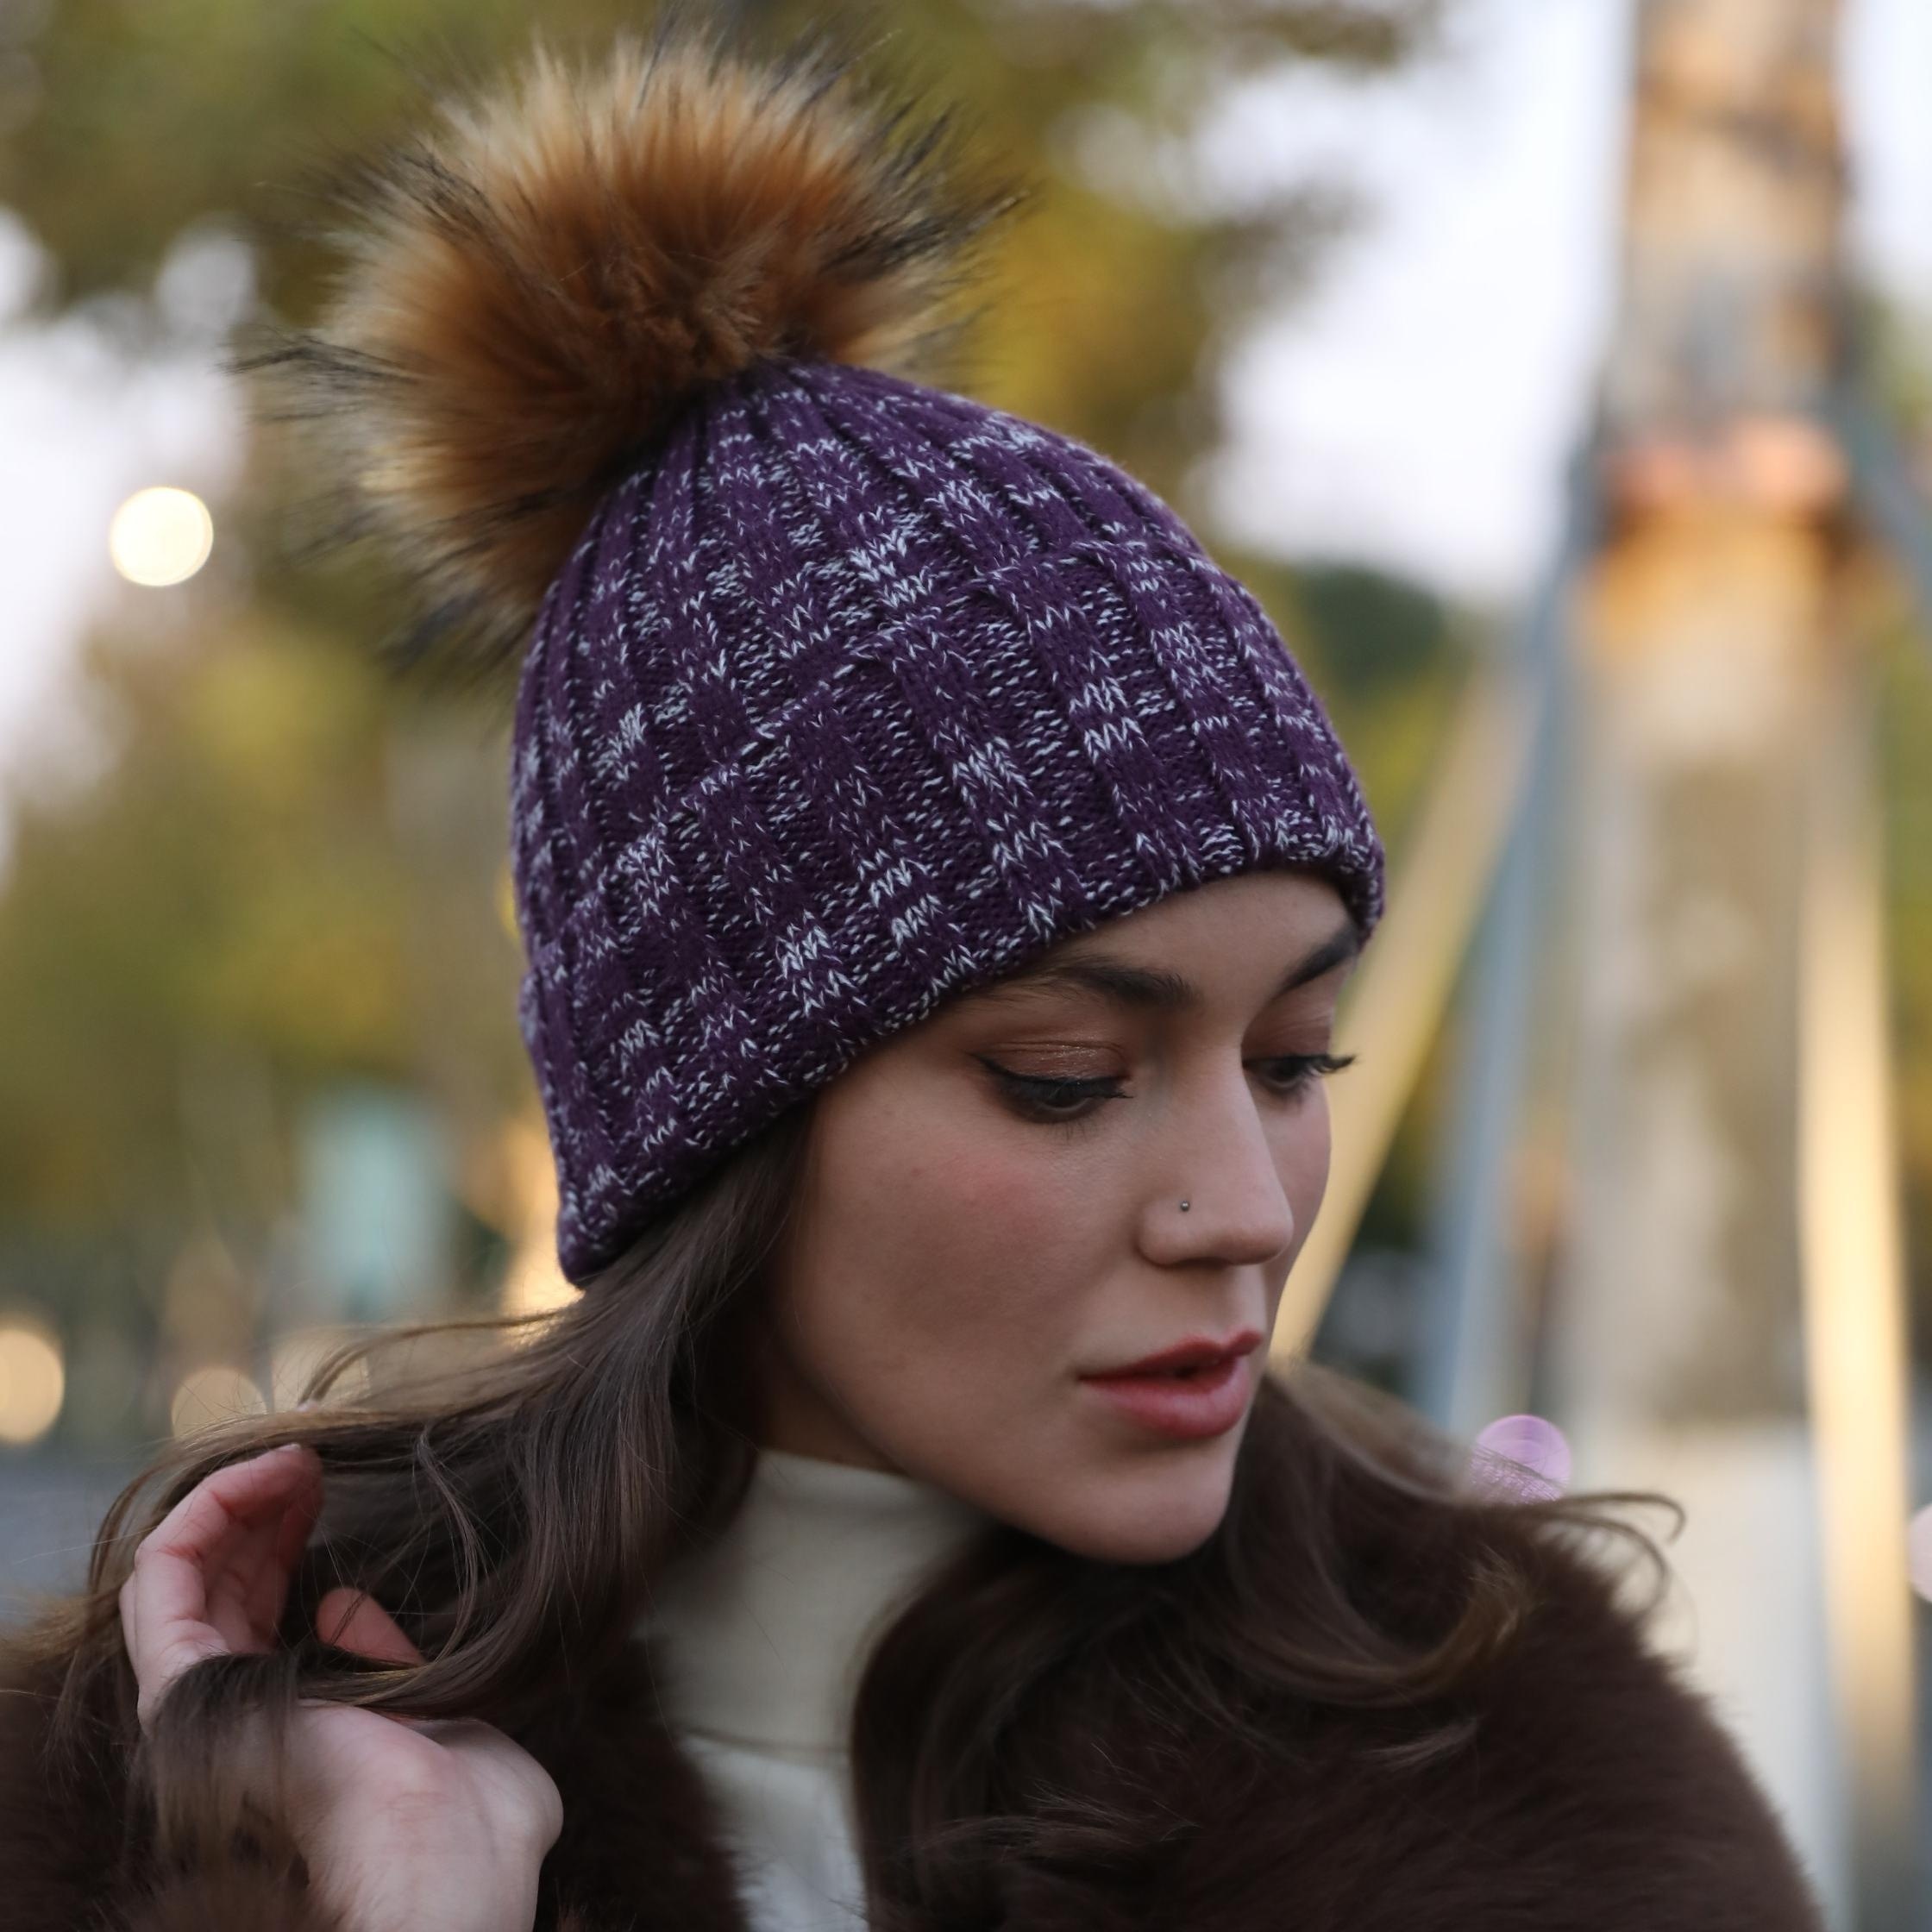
1600 1794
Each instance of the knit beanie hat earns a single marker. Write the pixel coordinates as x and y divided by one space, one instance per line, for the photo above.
837 692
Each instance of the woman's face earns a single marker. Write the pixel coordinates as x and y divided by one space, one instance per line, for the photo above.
991 1217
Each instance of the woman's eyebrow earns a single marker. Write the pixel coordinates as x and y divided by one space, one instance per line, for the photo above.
1126 984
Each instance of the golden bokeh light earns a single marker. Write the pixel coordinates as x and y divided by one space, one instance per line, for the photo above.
533 1282
33 1378
296 1356
161 535
212 1394
526 1182
507 903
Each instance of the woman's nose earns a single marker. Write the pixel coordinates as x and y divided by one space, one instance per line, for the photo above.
1224 1161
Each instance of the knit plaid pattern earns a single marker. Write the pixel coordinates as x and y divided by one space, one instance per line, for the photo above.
856 694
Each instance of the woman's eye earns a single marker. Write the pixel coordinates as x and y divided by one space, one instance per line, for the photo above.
1050 1097
1291 1073
1061 1097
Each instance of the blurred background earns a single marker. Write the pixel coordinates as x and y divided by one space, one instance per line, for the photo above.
1559 375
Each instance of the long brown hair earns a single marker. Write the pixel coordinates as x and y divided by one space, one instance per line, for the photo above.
511 1509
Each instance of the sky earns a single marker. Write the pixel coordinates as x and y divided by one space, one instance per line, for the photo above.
1415 411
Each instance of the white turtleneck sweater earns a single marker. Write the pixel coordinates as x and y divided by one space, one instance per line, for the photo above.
761 1639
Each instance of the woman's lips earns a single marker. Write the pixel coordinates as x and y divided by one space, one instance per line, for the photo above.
1204 1402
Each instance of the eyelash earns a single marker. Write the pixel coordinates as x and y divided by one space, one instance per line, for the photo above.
1036 1093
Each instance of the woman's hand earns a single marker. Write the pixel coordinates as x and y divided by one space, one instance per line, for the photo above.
407 1824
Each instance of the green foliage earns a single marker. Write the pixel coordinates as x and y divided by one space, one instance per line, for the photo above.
1387 661
243 884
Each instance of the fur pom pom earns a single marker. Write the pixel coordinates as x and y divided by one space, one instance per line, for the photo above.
537 281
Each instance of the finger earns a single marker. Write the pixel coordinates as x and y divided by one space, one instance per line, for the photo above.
353 1619
266 1589
222 1510
164 1598
244 1581
302 1509
248 1589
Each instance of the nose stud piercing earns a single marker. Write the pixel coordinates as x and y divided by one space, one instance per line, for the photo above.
1183 1207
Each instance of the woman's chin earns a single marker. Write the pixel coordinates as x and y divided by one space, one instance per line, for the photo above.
1156 1510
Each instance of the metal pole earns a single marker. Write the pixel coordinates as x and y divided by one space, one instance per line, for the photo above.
1854 1289
1474 1360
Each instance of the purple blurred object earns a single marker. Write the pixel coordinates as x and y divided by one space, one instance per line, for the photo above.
1523 1455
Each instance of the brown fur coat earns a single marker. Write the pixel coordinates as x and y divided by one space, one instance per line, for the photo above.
1600 1792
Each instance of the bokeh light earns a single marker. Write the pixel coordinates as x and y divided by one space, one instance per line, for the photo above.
33 1378
161 535
1525 1456
296 1356
212 1394
533 1281
507 903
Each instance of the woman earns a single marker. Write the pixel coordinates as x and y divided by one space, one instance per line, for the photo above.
936 880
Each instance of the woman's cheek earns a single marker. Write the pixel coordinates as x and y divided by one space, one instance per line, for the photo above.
1301 1140
961 1308
971 1195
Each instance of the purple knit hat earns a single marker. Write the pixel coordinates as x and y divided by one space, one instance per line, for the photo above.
851 692
859 695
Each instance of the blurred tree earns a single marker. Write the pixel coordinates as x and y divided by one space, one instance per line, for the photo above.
1388 659
255 886
155 118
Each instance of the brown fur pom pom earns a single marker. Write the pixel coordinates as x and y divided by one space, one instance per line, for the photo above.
537 282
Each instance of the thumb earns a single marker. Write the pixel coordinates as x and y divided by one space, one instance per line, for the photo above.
353 1619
